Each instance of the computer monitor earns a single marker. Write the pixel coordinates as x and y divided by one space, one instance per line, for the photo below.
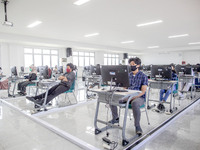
163 72
119 75
14 71
185 69
188 70
38 69
22 69
146 68
180 68
87 68
196 68
60 69
95 70
44 72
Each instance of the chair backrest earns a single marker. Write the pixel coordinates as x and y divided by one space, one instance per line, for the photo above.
73 86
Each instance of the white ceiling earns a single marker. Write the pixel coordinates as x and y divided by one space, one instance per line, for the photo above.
115 20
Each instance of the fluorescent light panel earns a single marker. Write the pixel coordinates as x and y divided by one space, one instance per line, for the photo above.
93 34
34 24
193 43
126 42
81 2
149 23
176 36
153 47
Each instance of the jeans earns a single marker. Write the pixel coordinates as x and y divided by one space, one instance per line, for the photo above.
136 104
166 92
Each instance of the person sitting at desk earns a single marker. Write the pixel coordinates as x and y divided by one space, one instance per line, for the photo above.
66 81
4 83
138 81
184 86
32 76
167 92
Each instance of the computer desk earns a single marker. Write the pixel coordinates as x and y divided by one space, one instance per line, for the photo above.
112 98
190 79
153 84
44 84
14 79
94 80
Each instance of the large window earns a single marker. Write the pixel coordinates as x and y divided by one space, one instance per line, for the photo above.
83 59
126 60
40 57
111 59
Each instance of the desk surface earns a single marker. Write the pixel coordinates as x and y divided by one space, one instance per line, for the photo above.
116 93
155 81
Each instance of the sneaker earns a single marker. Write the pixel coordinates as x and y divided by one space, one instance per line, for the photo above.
113 121
161 107
138 130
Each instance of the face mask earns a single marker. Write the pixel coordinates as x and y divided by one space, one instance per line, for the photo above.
68 70
30 69
133 68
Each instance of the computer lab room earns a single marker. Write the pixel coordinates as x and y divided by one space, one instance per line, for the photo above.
99 74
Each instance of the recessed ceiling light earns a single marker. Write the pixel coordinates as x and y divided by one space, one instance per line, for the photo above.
126 42
176 36
34 24
149 23
194 43
153 47
93 34
81 2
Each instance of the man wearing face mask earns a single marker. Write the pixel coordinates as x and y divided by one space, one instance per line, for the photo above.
138 81
66 81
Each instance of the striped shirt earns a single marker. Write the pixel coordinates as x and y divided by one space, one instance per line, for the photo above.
136 81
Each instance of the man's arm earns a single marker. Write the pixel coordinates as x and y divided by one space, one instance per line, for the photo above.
61 78
143 90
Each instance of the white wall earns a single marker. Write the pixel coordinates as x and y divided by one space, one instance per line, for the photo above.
192 57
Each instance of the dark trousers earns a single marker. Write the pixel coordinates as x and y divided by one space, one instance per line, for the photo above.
53 92
22 85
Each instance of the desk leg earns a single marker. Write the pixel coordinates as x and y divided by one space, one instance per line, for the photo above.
45 99
148 107
171 109
13 95
97 130
9 85
124 140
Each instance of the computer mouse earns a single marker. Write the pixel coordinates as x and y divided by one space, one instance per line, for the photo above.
103 89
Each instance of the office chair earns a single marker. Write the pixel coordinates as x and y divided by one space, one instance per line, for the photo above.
71 90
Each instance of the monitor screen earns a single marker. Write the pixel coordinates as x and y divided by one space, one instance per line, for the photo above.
161 72
14 71
95 70
146 68
22 69
44 72
60 69
119 75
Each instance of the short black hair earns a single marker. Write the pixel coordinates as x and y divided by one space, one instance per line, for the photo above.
136 60
71 66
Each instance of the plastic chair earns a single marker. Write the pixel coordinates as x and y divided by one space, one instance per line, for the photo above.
71 90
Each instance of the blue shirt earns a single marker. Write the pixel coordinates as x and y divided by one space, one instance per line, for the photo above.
137 81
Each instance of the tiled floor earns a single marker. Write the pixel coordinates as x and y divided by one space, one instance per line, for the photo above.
78 120
20 133
181 134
